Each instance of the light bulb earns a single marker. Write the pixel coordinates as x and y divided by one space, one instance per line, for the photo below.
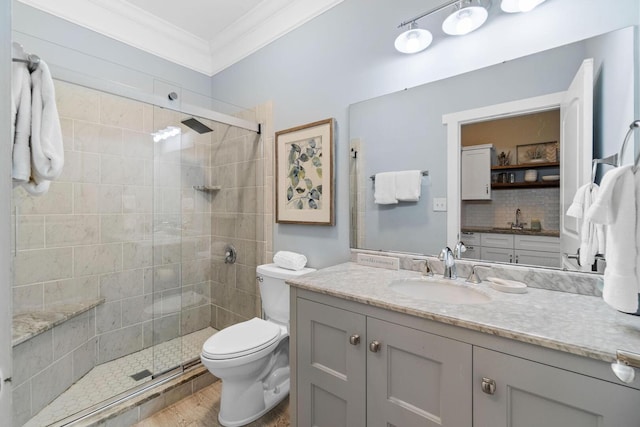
413 40
465 20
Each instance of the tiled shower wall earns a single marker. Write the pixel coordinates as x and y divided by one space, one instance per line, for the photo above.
539 203
91 235
124 223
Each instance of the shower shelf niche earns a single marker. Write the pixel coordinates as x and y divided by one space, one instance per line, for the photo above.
207 188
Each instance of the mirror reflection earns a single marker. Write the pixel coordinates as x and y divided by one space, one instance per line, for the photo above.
430 127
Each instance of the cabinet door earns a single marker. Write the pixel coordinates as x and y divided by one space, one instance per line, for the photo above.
496 254
416 378
472 252
530 394
496 240
541 259
331 370
475 174
537 243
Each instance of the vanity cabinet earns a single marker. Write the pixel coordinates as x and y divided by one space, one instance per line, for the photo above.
356 370
511 391
475 172
355 365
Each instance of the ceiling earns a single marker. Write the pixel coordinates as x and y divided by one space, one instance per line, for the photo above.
204 35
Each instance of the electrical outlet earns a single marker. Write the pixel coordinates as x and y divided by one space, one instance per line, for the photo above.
439 204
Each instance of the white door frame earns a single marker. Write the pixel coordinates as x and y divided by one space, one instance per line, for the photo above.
454 122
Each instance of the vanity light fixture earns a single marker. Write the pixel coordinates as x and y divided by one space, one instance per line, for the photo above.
413 40
516 6
468 16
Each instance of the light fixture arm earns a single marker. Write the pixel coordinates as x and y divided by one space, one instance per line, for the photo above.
430 12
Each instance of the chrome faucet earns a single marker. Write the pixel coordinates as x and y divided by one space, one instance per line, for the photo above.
447 258
459 250
518 225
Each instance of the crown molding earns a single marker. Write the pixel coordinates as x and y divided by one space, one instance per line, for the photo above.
125 22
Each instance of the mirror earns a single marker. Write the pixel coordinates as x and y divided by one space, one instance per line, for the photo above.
405 131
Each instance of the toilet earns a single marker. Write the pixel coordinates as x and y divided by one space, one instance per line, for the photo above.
252 358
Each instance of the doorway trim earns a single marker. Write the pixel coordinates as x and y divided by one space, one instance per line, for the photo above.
454 122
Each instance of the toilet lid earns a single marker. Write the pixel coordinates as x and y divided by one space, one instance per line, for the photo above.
241 339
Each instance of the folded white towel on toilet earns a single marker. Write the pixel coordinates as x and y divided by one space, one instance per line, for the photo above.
408 185
385 188
290 260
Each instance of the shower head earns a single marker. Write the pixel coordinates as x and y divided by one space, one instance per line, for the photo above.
197 125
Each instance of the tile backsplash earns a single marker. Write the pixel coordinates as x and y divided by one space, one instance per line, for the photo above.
536 203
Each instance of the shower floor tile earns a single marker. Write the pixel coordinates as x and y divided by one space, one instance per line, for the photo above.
112 378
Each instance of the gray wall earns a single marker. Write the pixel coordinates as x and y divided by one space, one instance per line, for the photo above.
346 55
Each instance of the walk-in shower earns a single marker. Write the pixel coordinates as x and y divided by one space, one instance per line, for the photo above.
120 272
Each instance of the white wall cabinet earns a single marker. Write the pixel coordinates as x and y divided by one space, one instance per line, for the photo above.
475 173
354 365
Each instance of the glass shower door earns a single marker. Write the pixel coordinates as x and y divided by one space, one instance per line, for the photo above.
167 229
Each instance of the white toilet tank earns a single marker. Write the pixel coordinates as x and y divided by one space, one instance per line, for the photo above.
274 292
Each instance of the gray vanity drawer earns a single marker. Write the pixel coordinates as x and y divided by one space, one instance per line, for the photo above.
469 238
538 243
494 240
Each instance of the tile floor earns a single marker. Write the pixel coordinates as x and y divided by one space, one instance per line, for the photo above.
201 410
112 378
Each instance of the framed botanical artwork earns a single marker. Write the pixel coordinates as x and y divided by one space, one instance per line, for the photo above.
304 174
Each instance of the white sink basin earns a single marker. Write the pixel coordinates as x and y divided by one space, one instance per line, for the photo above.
438 290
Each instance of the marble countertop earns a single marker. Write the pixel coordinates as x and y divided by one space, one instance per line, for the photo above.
578 324
526 231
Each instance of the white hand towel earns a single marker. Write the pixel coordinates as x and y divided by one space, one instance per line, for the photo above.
408 185
290 260
21 117
47 150
615 207
385 188
592 240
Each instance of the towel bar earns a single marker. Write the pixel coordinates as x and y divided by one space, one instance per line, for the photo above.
424 173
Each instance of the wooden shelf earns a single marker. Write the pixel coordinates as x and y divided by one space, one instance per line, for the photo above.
526 166
537 184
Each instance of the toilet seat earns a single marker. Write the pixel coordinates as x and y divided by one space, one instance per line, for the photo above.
241 339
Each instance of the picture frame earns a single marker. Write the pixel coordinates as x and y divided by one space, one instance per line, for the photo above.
540 152
304 157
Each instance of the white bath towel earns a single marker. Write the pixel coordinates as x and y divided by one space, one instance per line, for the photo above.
21 117
408 185
290 260
592 236
615 207
385 188
47 150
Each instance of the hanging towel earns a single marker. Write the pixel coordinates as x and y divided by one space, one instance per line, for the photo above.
290 260
47 150
385 188
21 117
592 240
615 207
408 185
